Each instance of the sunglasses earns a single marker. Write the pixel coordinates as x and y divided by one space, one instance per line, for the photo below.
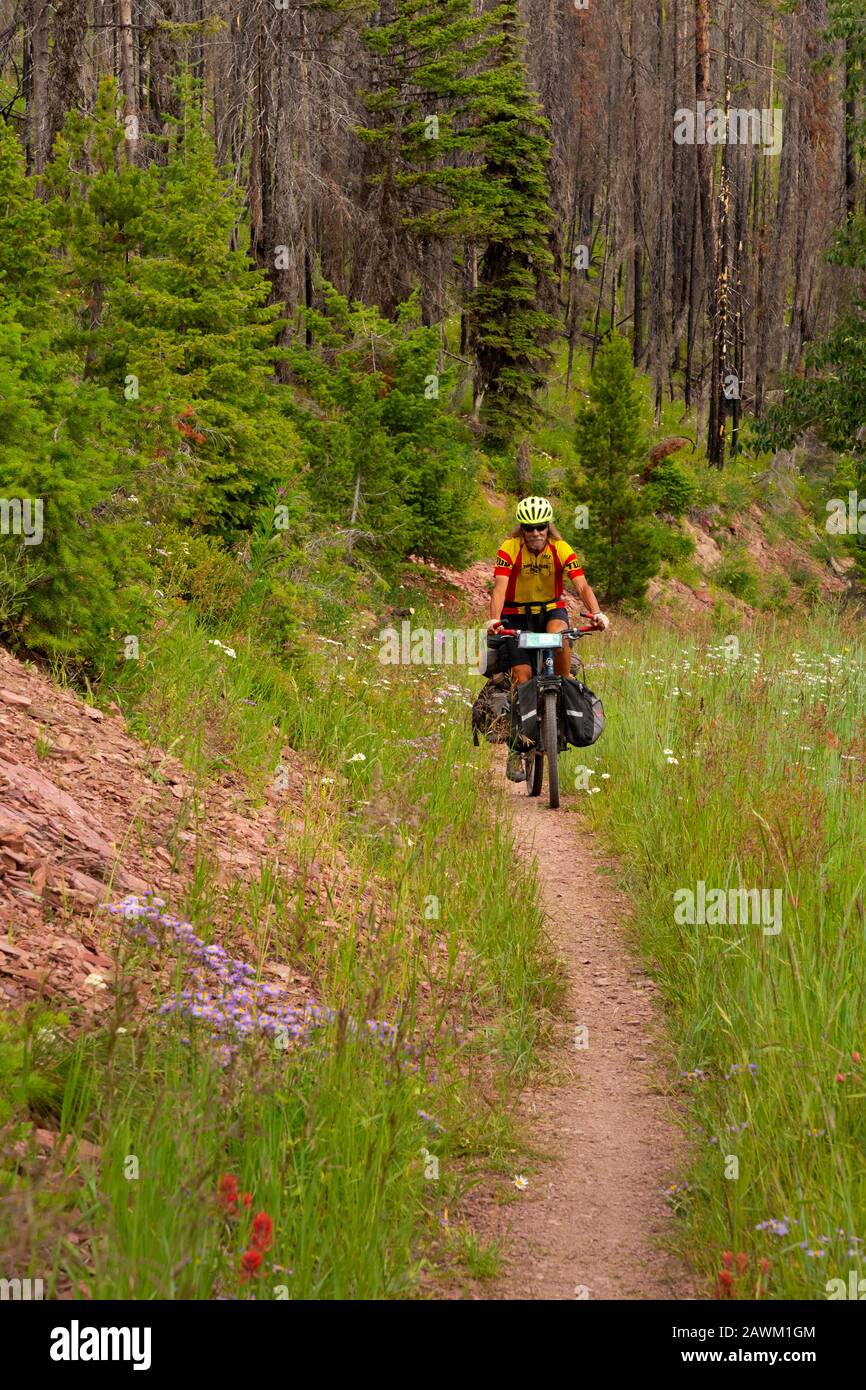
530 529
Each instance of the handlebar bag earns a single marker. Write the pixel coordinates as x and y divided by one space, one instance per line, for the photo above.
496 659
582 713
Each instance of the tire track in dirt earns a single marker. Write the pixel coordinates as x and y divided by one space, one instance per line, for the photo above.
594 1215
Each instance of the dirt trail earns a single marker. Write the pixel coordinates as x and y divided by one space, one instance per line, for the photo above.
593 1216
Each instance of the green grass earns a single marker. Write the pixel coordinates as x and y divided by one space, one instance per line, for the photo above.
396 890
767 793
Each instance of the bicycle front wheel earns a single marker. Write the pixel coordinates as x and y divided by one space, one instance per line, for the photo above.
550 740
534 764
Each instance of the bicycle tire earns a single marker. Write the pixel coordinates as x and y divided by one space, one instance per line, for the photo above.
550 739
534 762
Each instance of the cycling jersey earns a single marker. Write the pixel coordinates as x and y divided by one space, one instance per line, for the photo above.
535 581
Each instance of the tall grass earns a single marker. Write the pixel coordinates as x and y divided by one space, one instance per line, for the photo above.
742 763
394 887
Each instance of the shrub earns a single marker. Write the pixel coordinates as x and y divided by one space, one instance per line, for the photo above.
738 575
672 488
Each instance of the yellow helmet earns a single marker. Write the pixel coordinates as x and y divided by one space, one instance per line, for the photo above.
534 511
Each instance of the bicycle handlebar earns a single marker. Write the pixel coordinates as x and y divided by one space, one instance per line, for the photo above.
569 632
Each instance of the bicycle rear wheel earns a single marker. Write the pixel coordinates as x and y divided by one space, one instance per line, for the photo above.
550 740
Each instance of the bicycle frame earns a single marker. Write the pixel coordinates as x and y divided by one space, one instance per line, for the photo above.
550 740
541 646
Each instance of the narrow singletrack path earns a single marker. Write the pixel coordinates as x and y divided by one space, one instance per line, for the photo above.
593 1220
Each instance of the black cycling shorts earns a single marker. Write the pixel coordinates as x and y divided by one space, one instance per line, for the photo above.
529 622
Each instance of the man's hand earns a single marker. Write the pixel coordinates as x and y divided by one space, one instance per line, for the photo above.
601 621
494 624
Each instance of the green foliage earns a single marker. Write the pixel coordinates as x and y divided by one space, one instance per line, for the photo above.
174 321
620 548
672 488
74 582
849 476
671 545
847 22
737 573
832 399
31 1063
478 171
384 455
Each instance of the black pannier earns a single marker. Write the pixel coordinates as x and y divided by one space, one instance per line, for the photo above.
582 713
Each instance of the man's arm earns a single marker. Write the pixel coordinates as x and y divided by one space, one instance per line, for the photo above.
497 598
588 599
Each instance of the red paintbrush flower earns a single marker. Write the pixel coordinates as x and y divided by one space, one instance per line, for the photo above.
250 1262
742 1262
726 1283
727 1259
228 1190
247 1199
262 1230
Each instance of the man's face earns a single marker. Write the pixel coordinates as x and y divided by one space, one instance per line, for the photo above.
534 539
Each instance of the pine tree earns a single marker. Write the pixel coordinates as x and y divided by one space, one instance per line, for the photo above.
508 330
174 320
385 455
199 336
619 549
71 586
464 145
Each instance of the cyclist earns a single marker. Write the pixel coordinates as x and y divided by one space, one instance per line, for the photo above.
531 566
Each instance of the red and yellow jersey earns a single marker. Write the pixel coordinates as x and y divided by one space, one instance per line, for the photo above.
535 579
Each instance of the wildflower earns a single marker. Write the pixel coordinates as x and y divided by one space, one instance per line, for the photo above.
855 1056
247 1199
228 1190
764 1265
840 1076
727 1258
429 1120
742 1262
674 761
605 776
776 1226
675 1190
262 1231
357 758
521 1183
96 981
120 1030
250 1263
726 1283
